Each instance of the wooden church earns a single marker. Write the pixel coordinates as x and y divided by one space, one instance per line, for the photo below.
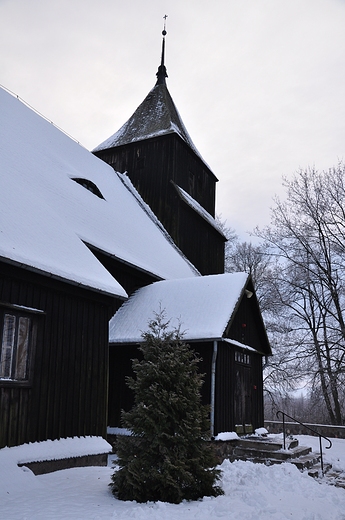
155 150
83 244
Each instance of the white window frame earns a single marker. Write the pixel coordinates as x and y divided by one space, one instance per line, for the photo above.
16 345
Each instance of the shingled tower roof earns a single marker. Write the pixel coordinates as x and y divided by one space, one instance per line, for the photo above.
157 115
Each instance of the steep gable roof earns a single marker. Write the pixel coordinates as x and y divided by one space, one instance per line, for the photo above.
47 219
203 306
157 115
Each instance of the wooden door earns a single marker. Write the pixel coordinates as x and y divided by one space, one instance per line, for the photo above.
243 399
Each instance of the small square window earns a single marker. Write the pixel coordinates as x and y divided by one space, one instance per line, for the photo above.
240 357
15 347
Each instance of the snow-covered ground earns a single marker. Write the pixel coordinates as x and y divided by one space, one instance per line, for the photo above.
252 491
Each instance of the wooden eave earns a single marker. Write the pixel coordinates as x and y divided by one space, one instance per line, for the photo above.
52 276
249 286
199 214
166 135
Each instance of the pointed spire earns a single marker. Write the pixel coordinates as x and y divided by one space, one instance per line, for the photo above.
162 71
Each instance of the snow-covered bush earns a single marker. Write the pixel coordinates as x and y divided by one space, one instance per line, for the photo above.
167 457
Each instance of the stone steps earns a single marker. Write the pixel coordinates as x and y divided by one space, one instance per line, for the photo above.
270 450
332 477
316 472
278 455
266 444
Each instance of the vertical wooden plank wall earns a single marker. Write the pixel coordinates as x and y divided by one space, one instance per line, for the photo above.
68 392
151 165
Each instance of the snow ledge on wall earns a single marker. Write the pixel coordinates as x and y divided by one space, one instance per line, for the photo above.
59 449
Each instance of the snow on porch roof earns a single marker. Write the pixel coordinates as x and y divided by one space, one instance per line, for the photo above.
203 306
47 218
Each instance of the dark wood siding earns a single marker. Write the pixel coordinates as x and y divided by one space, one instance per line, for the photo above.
238 390
152 165
231 379
199 241
247 326
129 277
67 394
228 392
224 399
121 396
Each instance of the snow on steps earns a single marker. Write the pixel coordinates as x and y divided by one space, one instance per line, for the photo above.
268 450
331 476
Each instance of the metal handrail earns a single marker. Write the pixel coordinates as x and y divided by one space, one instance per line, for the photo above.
308 428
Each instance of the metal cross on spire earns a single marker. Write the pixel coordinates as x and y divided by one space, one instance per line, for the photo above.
162 71
165 21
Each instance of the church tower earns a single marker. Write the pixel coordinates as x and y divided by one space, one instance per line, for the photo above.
156 151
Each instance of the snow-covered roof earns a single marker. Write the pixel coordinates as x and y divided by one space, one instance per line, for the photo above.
239 344
192 203
203 306
156 115
47 219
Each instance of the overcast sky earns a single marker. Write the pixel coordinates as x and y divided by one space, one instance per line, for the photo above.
259 84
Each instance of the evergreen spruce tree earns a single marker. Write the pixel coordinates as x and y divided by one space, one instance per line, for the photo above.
167 457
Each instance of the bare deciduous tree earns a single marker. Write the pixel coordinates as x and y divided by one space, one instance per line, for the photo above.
307 236
282 371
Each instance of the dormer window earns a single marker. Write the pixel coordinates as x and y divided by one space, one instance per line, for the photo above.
89 185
